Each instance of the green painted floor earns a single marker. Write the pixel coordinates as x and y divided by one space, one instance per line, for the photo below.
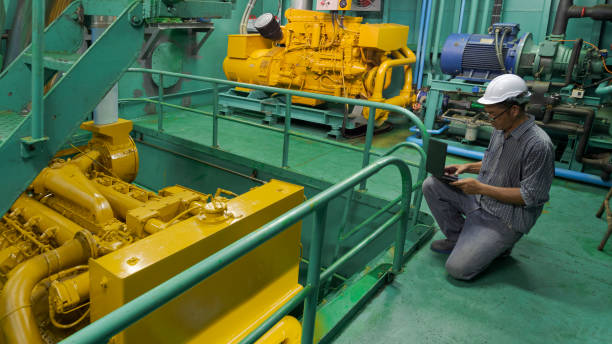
556 287
318 160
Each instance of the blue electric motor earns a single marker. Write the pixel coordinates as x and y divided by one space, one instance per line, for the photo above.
475 57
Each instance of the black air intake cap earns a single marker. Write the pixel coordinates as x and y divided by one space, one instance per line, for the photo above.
268 27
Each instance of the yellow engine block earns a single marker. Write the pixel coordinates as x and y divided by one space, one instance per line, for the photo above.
317 53
82 241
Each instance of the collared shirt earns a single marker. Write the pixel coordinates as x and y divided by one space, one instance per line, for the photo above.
525 159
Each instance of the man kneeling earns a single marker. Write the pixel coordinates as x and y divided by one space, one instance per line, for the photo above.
483 218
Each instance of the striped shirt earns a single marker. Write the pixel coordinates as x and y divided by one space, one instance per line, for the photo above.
525 160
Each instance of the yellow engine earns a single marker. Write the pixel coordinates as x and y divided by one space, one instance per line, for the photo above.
317 52
82 241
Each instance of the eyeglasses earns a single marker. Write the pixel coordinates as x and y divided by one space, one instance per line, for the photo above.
492 118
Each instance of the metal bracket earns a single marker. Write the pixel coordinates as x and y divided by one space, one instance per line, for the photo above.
203 40
30 147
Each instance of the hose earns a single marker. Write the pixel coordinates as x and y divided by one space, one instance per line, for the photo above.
245 16
499 49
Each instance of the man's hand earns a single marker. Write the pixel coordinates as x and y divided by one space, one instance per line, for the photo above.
456 169
469 186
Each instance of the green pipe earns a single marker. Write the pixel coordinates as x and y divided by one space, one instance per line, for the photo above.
473 13
313 275
160 118
371 218
484 24
118 320
603 89
215 138
332 99
38 69
362 244
277 316
286 132
436 45
368 142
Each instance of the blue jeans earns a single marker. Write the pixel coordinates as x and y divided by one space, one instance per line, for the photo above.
480 236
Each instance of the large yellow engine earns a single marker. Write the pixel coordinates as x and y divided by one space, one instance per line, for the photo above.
82 241
317 52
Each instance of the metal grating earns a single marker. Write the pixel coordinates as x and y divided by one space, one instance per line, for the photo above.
9 121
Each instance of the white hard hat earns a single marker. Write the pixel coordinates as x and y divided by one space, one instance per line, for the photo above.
505 87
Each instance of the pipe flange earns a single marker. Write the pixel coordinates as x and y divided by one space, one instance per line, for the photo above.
88 242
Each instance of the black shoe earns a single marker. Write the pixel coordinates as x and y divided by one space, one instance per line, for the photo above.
443 246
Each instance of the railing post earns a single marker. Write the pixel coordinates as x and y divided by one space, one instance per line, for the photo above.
38 27
160 98
400 235
286 132
215 137
314 275
368 143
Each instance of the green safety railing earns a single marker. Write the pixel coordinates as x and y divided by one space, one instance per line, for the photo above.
287 132
103 329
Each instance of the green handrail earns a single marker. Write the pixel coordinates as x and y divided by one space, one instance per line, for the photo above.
373 106
106 327
265 127
418 196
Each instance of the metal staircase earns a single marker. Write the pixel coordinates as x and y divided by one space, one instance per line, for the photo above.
84 80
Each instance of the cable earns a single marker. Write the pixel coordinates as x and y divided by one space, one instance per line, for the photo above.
498 51
245 16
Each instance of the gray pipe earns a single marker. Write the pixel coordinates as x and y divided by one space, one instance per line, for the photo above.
107 111
302 4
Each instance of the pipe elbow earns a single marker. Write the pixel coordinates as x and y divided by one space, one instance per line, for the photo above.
68 181
16 316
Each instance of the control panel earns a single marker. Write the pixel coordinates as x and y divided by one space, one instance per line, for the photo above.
334 5
348 5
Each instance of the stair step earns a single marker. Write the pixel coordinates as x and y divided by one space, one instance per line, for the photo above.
8 122
58 61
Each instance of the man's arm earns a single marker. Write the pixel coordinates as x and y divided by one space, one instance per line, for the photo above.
464 168
472 186
504 195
